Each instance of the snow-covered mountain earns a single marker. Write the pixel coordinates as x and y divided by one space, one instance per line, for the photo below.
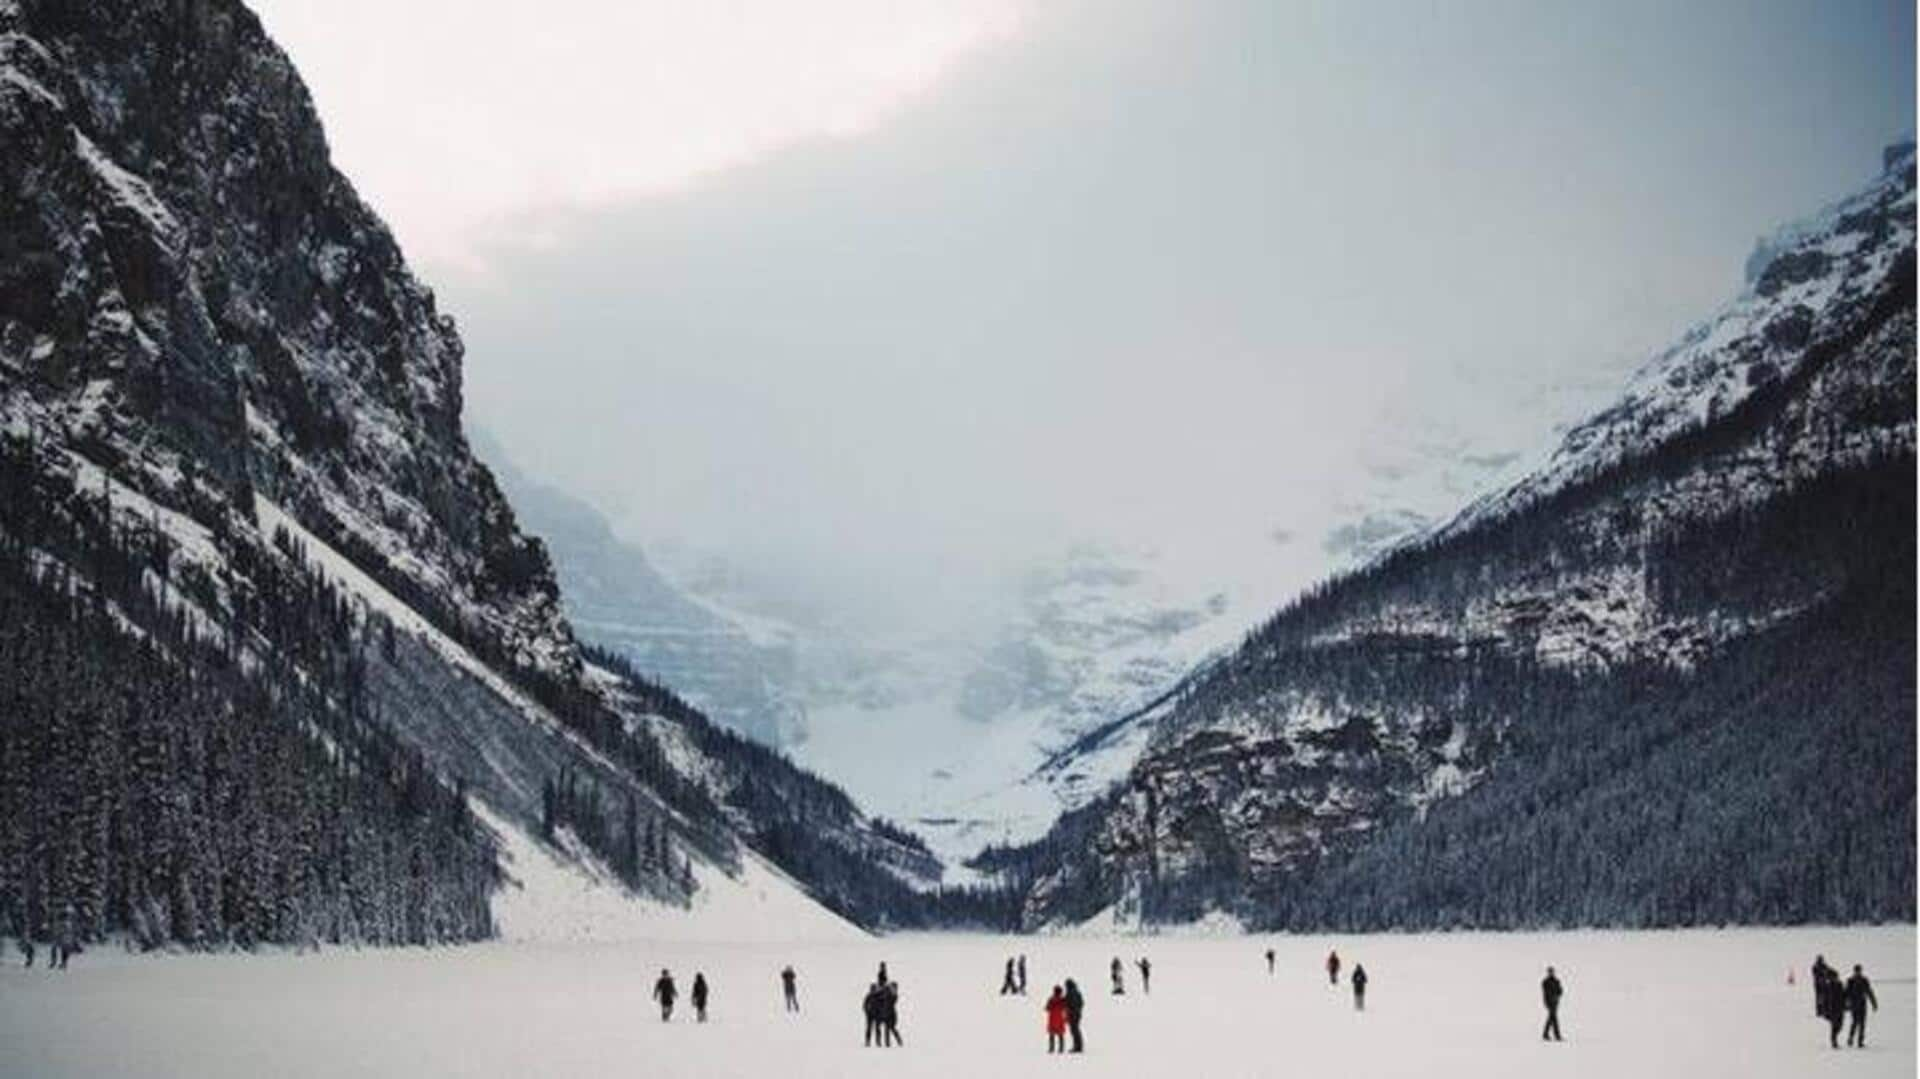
1629 687
233 445
614 598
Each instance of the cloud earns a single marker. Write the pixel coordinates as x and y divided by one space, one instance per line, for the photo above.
1140 272
450 115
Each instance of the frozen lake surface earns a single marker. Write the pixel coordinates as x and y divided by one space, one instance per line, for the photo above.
1639 1005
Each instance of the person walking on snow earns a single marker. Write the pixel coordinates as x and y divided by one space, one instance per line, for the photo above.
1076 1006
1821 972
890 1013
1269 960
1333 968
1022 971
1009 985
1859 993
1146 975
699 997
666 994
1119 977
1833 1006
1359 980
789 989
1550 993
871 1005
1057 1022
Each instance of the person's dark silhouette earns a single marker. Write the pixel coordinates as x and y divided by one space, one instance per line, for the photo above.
1076 1006
1057 1022
1833 1006
1009 985
1269 960
666 994
699 996
1550 993
1821 972
1146 975
1859 993
874 1009
1359 981
890 1013
1022 970
1119 977
1333 968
790 989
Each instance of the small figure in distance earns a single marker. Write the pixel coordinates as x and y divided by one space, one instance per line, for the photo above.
1057 1021
790 989
1146 975
1009 985
1550 993
1022 970
665 993
1076 1007
873 1007
699 997
1359 981
1333 968
1269 960
1832 1006
1119 977
1821 972
890 1013
1859 993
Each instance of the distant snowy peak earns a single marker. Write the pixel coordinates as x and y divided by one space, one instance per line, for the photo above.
1804 284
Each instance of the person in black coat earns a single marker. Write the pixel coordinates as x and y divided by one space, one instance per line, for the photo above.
1009 984
1146 975
1076 1006
1021 969
699 997
875 1010
1821 972
1119 977
1359 980
1859 993
1833 1006
890 1014
789 987
666 994
1269 960
1550 993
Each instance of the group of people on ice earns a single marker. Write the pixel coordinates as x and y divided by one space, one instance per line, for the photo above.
882 1008
1118 971
1358 979
665 993
1836 1001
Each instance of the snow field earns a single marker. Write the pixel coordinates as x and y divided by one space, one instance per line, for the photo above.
1698 1004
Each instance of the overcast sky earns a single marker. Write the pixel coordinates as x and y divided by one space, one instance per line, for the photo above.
888 295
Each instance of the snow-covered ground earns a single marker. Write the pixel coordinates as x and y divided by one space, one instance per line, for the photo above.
1641 1005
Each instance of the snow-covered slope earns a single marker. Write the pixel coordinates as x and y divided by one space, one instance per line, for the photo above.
203 326
615 599
1749 497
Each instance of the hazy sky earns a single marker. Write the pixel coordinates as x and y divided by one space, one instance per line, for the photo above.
886 295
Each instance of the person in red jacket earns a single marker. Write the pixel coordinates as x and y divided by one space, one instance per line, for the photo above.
1057 1022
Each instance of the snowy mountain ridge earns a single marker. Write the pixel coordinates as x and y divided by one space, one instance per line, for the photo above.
1743 498
232 419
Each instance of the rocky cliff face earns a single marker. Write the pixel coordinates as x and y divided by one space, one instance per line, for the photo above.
196 300
202 324
1743 494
